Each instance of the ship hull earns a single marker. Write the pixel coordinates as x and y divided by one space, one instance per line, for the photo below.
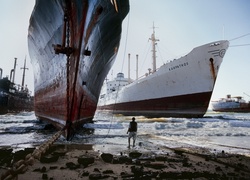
67 83
231 107
191 105
3 104
13 100
236 110
14 104
181 88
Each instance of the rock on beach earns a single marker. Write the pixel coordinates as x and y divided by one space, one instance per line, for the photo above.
77 162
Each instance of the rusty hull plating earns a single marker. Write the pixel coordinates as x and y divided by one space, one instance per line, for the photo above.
72 45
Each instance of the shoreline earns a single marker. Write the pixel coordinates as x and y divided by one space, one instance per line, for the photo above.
86 161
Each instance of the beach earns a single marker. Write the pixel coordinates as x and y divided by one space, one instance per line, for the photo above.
213 147
75 161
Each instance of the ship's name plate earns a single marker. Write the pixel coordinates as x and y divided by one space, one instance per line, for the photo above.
178 66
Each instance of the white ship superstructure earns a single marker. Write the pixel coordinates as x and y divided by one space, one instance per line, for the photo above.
113 86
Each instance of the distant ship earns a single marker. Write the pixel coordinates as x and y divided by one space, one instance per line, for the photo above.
231 104
14 97
180 88
72 45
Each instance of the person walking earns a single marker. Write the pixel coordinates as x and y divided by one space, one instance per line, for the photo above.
132 131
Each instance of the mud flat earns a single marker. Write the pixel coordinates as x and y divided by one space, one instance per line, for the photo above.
76 161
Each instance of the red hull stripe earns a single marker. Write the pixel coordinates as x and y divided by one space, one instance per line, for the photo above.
192 105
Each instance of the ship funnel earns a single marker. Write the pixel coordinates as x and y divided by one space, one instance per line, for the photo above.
11 74
1 71
14 71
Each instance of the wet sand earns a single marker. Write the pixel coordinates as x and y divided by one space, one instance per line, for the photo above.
75 161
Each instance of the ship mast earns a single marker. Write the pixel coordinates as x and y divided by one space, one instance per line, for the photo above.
153 48
129 67
24 68
14 71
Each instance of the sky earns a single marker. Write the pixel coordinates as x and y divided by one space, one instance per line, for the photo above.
181 25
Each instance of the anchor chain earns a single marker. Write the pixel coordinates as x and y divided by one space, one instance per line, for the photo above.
21 166
62 49
68 122
67 50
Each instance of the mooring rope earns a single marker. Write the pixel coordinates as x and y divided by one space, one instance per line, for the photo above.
21 166
113 109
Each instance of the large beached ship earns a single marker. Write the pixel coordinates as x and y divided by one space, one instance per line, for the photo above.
14 97
180 88
231 104
72 46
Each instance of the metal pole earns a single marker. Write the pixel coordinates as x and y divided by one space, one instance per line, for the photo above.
153 49
14 71
129 67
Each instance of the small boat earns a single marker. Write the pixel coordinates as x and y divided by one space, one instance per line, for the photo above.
14 97
72 46
179 88
231 104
